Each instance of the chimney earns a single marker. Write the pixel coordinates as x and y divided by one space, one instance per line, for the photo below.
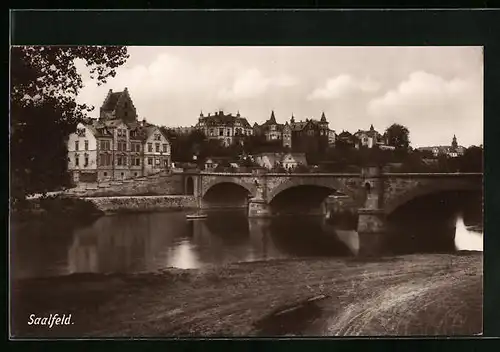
143 122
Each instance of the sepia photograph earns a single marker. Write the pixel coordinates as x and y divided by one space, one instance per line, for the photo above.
245 191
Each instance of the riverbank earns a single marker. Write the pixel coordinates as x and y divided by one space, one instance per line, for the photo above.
431 294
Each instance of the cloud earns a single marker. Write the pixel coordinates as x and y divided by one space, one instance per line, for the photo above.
342 85
430 105
252 83
419 90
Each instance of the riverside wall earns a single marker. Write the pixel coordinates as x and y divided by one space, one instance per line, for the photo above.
143 203
159 184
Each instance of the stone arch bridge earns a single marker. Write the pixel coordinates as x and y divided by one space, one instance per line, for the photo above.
384 192
377 194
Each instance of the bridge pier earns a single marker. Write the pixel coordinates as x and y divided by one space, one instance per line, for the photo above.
371 232
371 218
258 208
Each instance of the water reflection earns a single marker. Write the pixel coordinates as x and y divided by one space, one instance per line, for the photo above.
152 241
183 256
468 237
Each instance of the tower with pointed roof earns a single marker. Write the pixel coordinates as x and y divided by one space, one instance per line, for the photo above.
272 119
454 143
323 122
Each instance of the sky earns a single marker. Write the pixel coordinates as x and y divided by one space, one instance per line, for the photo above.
435 92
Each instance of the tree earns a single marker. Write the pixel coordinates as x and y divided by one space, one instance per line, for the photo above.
472 160
44 85
398 136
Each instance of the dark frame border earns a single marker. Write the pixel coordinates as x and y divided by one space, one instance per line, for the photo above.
305 27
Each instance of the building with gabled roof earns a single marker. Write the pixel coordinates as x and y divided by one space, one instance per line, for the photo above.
117 146
370 138
118 105
227 128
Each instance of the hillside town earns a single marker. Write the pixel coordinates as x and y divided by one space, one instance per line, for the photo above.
119 145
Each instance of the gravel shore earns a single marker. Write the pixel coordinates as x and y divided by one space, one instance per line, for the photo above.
426 294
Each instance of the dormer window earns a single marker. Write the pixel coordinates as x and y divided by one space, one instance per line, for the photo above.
80 132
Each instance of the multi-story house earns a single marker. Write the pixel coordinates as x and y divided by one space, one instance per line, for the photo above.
274 131
370 138
297 134
116 146
311 134
224 127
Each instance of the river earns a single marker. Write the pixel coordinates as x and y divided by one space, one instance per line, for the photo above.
143 242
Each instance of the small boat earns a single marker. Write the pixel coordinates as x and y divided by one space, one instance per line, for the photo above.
196 216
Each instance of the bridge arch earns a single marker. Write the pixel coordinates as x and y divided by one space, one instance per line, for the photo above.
329 183
250 188
423 190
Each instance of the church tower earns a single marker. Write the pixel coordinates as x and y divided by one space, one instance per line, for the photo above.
454 143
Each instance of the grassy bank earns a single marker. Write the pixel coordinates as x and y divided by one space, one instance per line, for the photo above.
418 294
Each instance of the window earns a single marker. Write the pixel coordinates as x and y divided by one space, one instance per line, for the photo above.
80 132
122 174
150 161
150 147
212 132
102 159
77 160
86 163
86 145
137 162
157 137
157 146
135 174
124 160
108 159
165 148
76 145
157 161
105 174
221 131
119 160
105 145
228 133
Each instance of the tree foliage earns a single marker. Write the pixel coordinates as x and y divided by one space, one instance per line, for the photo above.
43 110
398 136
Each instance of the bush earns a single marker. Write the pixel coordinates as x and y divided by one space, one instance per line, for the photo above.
57 208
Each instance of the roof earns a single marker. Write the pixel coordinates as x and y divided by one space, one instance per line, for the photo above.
221 118
102 128
111 101
271 121
345 134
